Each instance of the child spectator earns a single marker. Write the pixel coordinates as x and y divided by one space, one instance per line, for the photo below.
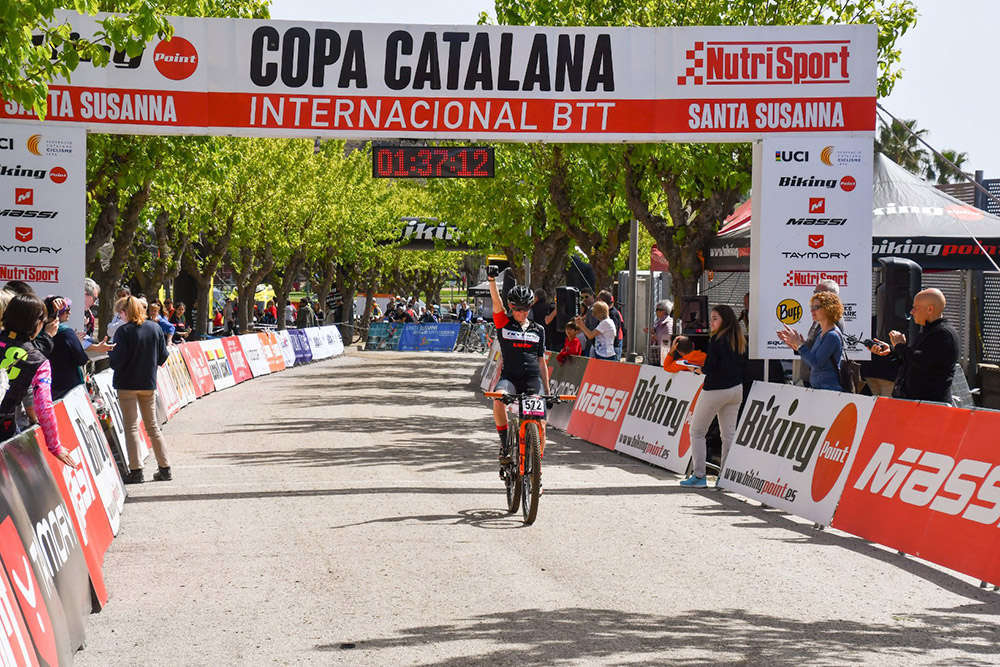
683 356
572 346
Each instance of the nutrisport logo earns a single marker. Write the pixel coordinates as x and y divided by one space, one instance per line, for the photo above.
772 429
175 58
766 62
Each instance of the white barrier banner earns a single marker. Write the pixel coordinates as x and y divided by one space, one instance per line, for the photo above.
492 368
317 343
218 363
287 351
812 213
657 427
168 401
43 172
508 83
333 340
255 355
104 381
97 453
794 448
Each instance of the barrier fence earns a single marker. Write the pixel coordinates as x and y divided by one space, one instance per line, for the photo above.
430 337
921 478
57 523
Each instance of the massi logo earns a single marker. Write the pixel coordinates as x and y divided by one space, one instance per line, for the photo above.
766 429
777 62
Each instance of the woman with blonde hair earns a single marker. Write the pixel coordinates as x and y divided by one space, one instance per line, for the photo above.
823 354
140 348
603 334
722 392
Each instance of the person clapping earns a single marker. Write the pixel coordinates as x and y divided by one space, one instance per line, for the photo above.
824 354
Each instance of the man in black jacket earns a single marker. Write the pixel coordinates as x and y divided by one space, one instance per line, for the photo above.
928 362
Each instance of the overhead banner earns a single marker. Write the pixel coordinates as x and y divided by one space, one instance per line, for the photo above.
812 203
794 448
43 172
657 420
509 83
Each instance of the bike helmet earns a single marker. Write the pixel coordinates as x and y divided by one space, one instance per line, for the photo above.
519 295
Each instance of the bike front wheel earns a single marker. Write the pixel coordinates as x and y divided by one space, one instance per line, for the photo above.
512 479
531 483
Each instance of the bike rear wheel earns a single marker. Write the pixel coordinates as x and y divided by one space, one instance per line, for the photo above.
512 478
531 483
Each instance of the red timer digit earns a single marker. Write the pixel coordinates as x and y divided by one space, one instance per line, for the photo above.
432 162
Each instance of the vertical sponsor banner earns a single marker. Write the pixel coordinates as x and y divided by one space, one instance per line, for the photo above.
105 386
431 337
812 212
254 352
168 401
300 343
79 492
287 349
197 365
237 360
656 426
182 379
97 454
334 340
600 405
794 448
43 169
53 545
492 368
564 379
927 482
217 362
272 349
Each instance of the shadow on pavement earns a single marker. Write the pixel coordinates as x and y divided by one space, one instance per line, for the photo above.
535 637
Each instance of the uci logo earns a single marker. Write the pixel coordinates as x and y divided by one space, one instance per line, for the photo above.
789 311
791 156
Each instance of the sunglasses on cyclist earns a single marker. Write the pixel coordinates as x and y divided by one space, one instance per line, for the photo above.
520 309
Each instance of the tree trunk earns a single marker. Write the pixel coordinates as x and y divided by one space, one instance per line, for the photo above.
328 277
284 279
203 318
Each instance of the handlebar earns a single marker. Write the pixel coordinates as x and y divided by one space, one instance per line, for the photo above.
507 399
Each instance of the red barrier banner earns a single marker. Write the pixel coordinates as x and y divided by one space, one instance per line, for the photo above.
600 406
32 604
201 377
237 360
926 481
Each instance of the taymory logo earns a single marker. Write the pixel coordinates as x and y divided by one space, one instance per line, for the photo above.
23 234
736 63
816 241
176 58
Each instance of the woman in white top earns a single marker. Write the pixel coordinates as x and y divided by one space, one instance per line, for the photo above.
603 334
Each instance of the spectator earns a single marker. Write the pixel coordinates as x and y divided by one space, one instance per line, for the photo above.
722 392
305 317
168 309
217 322
23 318
928 363
67 358
156 316
823 355
91 290
662 330
290 314
603 334
683 356
229 317
586 302
43 341
118 318
181 328
464 312
801 370
572 345
139 349
616 316
272 310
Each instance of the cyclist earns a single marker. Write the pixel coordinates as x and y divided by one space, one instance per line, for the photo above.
522 347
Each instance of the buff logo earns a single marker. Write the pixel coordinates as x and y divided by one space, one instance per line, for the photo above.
654 403
715 63
936 480
603 402
764 429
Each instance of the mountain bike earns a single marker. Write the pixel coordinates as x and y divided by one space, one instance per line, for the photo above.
525 438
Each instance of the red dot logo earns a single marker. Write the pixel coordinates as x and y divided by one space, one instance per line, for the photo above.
685 444
176 58
834 452
847 183
57 175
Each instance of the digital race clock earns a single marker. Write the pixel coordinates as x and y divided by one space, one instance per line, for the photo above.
432 162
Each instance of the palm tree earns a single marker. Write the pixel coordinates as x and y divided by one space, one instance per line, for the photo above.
940 171
899 144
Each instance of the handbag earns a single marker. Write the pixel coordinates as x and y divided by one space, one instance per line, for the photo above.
849 373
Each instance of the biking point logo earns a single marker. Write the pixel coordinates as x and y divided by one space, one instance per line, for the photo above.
175 58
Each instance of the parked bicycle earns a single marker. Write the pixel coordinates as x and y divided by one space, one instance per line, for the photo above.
523 475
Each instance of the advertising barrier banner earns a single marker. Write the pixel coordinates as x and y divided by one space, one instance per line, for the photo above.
109 394
237 360
492 368
334 340
794 448
431 337
600 405
168 401
287 349
300 343
254 352
564 378
218 363
272 350
926 481
657 427
182 379
197 365
317 343
384 336
507 83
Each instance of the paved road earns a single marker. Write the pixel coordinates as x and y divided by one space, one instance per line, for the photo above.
348 513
